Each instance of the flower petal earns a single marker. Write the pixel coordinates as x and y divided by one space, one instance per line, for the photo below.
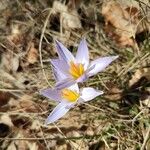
51 94
82 55
74 87
83 78
59 111
65 83
89 93
60 65
64 53
58 74
100 64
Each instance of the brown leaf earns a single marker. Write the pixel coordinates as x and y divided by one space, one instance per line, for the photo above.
5 125
146 102
72 4
124 21
33 146
27 104
12 146
35 125
15 63
69 18
15 37
4 98
139 73
32 55
114 93
10 62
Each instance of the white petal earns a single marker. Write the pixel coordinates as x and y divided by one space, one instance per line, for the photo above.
82 55
89 93
59 111
74 87
64 53
100 64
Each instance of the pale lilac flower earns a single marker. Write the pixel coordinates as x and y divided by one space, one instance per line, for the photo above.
77 69
67 98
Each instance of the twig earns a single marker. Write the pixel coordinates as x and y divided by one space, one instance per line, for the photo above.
23 113
71 142
56 138
106 143
145 139
40 46
134 119
45 141
12 90
93 107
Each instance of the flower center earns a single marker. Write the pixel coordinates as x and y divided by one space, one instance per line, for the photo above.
69 95
76 70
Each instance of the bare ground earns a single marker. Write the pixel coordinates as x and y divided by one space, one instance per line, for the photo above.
120 119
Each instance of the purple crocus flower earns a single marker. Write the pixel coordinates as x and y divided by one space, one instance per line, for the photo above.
77 69
67 98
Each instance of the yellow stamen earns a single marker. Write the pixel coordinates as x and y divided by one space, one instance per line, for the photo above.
69 95
76 70
81 69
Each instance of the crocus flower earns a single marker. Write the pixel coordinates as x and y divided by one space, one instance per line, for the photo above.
67 98
77 69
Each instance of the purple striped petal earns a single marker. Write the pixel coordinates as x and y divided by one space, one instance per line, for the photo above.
83 78
60 65
82 55
58 74
100 64
64 83
64 53
59 111
51 94
88 94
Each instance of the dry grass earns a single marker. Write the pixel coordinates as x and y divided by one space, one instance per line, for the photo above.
120 119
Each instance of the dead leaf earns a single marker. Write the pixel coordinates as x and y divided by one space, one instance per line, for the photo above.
10 62
114 93
69 18
12 146
72 4
27 104
6 119
99 145
139 73
4 98
35 125
124 22
13 102
32 55
15 63
33 146
5 125
115 15
61 147
21 144
90 131
15 37
148 145
146 102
